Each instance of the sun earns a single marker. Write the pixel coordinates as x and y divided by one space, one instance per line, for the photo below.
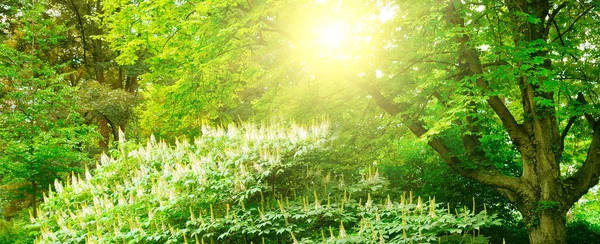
331 35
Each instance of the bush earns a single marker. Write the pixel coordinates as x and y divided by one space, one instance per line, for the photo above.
14 232
582 232
245 185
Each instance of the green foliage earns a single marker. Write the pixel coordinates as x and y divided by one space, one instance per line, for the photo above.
582 232
412 166
588 208
15 232
241 185
42 132
584 225
116 105
200 54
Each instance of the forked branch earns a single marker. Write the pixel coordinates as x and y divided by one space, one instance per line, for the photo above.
589 173
489 178
514 129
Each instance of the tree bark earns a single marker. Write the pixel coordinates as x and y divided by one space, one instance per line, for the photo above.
551 228
545 209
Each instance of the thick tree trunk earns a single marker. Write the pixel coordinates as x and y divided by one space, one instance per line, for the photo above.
550 227
546 206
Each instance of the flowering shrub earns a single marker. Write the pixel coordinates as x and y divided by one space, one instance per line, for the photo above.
241 185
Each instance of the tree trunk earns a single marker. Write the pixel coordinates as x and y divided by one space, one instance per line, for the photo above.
550 227
104 132
98 53
546 206
33 200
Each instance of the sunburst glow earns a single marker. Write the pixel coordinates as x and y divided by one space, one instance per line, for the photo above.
331 35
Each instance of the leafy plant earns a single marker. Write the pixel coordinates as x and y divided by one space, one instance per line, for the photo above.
582 232
241 185
15 232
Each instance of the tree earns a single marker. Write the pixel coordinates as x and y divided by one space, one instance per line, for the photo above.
108 91
478 81
203 57
519 73
43 136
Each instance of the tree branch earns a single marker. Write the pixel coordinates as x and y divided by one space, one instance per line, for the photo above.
554 13
511 196
562 42
573 23
410 65
488 178
83 39
513 128
497 63
112 126
492 178
588 175
273 27
590 119
565 131
176 30
380 100
13 61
